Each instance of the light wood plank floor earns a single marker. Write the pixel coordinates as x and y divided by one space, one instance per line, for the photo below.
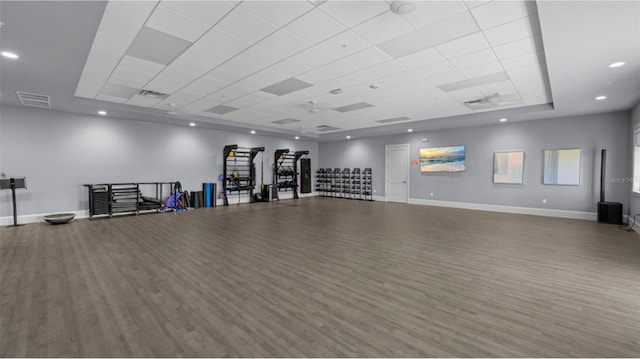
320 277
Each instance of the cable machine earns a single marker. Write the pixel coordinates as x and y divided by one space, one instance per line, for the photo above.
285 170
239 171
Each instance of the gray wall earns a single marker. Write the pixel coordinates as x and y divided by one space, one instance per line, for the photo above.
590 133
59 151
634 198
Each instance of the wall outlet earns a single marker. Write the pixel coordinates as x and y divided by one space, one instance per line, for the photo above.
544 201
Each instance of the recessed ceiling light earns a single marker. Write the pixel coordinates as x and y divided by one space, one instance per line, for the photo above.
410 130
617 64
348 137
503 120
297 137
600 98
403 7
253 132
192 124
102 113
9 54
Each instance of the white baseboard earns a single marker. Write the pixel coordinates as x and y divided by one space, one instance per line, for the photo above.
590 216
35 218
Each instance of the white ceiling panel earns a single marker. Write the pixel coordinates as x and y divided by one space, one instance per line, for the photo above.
482 70
278 12
368 57
474 59
421 58
462 46
223 42
137 76
515 30
253 83
144 101
352 13
345 44
135 12
174 23
269 76
496 13
338 68
315 77
232 92
164 85
197 69
289 68
225 76
475 3
504 88
184 76
468 94
120 27
429 12
204 86
109 43
530 83
245 25
259 56
284 43
533 58
382 28
239 67
315 26
111 98
388 68
314 57
206 12
436 69
136 82
135 64
446 78
204 55
519 47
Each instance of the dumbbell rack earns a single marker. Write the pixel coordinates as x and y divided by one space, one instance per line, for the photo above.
345 183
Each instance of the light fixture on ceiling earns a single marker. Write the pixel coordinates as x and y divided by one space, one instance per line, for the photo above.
402 7
335 91
503 120
253 132
410 130
313 108
9 55
600 98
297 137
102 113
152 94
617 64
192 124
374 86
348 137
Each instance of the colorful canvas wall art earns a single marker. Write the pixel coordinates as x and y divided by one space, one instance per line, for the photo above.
508 167
442 159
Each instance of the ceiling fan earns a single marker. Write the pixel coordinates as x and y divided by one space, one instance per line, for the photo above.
498 99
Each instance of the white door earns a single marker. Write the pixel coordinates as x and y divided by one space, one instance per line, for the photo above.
397 173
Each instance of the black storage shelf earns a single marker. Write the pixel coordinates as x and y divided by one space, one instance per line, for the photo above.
107 199
239 171
285 171
345 183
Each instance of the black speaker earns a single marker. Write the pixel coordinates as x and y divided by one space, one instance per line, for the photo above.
610 212
305 175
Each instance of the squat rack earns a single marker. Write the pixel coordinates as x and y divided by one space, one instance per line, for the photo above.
285 169
239 170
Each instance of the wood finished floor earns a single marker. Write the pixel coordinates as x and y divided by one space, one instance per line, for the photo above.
320 277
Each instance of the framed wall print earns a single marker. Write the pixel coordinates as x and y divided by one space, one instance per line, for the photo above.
562 167
508 167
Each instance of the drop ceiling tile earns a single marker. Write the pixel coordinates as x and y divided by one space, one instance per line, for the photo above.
119 91
531 83
135 82
135 64
387 68
135 12
502 87
515 30
356 79
111 98
186 65
278 12
157 46
239 67
421 58
143 101
315 26
315 77
109 43
221 109
284 43
186 76
245 25
289 68
429 12
533 58
453 85
223 75
204 86
353 107
164 85
178 99
285 87
519 47
253 83
475 3
137 76
204 55
482 70
232 91
259 56
338 68
447 78
174 23
314 57
436 69
223 42
474 59
449 29
369 57
496 13
468 94
206 12
352 13
383 28
345 44
119 27
464 45
268 76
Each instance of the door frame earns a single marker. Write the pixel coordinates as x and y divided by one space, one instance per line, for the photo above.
386 169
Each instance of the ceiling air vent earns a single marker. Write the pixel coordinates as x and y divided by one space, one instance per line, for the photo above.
32 99
325 128
152 94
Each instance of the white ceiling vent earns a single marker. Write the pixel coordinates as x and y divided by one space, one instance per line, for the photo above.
152 94
32 99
